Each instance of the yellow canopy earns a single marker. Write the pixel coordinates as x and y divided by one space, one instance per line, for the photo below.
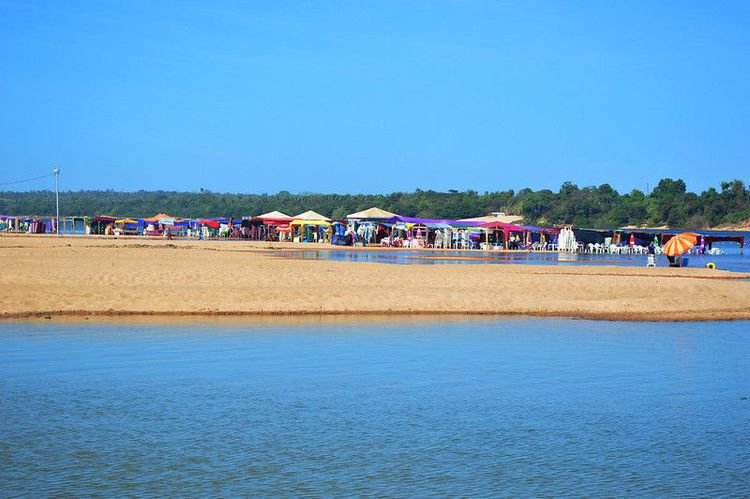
310 222
126 221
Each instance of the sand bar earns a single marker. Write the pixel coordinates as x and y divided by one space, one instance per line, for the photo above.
83 276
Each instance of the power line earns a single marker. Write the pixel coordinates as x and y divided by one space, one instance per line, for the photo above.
27 180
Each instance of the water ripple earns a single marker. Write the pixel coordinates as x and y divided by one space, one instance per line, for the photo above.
504 408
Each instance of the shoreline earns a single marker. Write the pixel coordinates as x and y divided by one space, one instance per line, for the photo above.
90 277
350 316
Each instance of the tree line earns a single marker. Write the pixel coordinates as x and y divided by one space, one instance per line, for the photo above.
669 204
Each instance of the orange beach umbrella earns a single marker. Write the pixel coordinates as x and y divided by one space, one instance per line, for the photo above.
680 243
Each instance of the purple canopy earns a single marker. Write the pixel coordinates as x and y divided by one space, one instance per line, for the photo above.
413 220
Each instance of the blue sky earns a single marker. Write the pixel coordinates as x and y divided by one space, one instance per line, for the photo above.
357 96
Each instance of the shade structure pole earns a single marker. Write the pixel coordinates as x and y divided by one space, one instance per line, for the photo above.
56 171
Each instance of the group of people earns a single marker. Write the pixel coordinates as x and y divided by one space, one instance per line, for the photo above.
514 242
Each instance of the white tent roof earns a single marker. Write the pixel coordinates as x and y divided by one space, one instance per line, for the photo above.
506 219
311 215
273 214
373 212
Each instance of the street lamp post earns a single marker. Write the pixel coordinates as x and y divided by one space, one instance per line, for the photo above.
56 171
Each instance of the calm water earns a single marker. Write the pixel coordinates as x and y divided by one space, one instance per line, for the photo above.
514 407
734 261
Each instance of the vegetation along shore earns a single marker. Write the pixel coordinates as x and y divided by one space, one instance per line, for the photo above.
668 204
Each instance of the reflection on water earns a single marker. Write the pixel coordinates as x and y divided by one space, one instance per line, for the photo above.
516 407
734 262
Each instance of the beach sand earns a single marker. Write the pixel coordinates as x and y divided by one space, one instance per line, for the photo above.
47 276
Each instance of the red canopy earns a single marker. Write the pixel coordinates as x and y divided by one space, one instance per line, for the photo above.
211 223
103 219
281 221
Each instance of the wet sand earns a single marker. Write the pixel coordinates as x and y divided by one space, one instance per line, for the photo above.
46 276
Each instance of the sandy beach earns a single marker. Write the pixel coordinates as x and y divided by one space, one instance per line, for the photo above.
85 276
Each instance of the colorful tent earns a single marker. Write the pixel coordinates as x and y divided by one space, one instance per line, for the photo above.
157 218
373 213
311 216
498 225
276 219
103 219
414 220
310 222
502 226
214 224
508 219
274 215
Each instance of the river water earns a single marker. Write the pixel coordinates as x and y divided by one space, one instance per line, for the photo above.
735 262
501 407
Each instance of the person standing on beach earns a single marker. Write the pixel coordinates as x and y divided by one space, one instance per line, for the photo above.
651 255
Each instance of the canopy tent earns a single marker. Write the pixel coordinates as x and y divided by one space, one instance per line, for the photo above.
310 222
274 215
103 219
159 217
250 222
526 230
272 225
434 227
310 226
214 224
427 233
275 218
186 222
311 215
373 213
126 226
431 226
503 226
713 238
414 220
508 219
101 224
593 236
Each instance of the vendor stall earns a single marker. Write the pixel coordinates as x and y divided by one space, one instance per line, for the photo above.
274 226
310 227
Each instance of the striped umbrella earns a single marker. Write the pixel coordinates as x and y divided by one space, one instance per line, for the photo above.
680 243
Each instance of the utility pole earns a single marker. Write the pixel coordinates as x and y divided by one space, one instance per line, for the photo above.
56 171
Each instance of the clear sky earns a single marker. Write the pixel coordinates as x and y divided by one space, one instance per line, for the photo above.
358 96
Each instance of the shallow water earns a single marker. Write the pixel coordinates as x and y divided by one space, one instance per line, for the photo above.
512 407
733 262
